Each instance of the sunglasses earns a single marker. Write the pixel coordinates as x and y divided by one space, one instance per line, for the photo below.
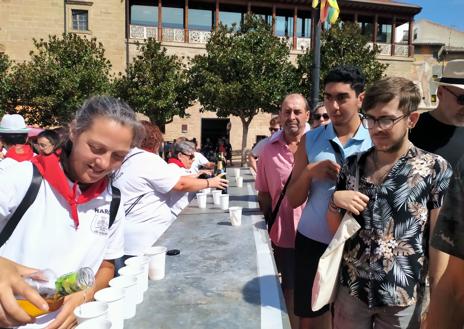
459 98
273 130
318 116
190 156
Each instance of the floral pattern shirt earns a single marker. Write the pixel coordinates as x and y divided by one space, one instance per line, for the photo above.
385 263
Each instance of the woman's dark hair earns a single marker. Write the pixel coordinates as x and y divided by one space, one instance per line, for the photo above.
13 139
52 136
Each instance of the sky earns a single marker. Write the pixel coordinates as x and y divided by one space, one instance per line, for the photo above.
446 12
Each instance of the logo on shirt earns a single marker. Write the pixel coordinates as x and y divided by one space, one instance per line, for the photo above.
100 222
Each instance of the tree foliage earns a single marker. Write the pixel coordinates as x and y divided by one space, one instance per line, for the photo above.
155 84
341 45
245 70
5 84
61 74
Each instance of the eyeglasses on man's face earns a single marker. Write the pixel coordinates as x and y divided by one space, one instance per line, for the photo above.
383 122
318 116
459 98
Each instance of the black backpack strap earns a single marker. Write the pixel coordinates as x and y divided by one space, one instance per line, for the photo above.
275 211
26 202
114 205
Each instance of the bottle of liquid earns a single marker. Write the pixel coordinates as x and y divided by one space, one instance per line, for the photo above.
53 288
220 170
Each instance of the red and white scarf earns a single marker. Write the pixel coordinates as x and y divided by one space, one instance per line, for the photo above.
50 168
177 162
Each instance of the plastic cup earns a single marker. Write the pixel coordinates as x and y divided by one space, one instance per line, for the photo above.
114 297
206 190
240 181
138 273
236 172
91 311
224 201
201 198
235 216
95 324
128 284
140 261
217 197
157 265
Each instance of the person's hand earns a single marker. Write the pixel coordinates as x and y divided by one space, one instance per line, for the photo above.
323 170
352 201
12 283
65 318
218 182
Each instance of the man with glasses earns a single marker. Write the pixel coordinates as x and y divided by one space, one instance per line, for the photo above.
401 190
441 131
318 160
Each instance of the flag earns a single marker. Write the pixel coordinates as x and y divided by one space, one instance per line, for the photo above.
329 10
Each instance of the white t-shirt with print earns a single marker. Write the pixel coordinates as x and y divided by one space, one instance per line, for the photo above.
46 236
147 174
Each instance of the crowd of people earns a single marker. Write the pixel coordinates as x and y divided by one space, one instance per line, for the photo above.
106 194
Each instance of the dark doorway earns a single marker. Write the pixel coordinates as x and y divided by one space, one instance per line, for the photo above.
212 130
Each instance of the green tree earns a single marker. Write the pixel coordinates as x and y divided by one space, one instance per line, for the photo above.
245 71
61 74
342 44
155 84
5 85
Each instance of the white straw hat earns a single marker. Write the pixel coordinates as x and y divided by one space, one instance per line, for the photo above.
13 124
453 75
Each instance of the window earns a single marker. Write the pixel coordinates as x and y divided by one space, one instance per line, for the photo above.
367 27
173 17
230 14
384 33
80 19
303 24
263 12
144 15
284 24
201 17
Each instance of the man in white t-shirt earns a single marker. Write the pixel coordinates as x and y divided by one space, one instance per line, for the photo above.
274 127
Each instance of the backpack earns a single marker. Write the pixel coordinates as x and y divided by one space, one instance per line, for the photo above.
30 196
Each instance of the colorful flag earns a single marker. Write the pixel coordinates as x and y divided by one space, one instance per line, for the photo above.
329 10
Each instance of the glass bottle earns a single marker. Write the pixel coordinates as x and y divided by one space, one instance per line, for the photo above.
53 288
220 170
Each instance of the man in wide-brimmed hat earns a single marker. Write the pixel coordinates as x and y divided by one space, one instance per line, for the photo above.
441 131
13 134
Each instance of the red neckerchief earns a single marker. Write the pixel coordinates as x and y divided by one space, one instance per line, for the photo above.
50 168
177 162
27 154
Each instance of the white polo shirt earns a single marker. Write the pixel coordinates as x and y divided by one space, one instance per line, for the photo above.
46 236
147 174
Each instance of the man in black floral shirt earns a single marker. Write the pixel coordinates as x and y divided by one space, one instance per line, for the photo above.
401 190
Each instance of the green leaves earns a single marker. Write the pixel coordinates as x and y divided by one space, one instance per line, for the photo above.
340 45
155 84
60 75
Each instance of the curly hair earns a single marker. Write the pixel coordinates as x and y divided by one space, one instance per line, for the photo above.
153 137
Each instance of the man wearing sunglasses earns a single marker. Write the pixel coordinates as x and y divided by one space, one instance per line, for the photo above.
274 126
441 131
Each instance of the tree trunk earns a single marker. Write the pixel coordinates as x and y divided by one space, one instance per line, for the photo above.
245 126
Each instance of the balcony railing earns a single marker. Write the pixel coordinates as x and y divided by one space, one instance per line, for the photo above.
202 37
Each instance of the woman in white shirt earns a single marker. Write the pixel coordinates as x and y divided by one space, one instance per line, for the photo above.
68 224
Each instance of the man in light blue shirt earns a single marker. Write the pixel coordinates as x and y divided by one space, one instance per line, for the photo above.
318 161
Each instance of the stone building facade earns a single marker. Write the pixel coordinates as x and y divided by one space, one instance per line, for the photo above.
184 26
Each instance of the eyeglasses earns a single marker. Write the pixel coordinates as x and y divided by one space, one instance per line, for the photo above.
190 156
318 116
383 122
273 130
459 98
